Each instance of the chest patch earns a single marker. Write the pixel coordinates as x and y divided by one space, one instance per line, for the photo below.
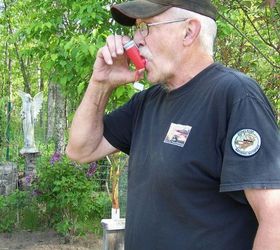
246 142
177 134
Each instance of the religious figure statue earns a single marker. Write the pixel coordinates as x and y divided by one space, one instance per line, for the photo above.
29 113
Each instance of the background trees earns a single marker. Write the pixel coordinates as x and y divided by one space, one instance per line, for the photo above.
249 40
50 46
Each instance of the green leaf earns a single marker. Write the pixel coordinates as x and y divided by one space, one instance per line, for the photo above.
68 45
248 4
62 63
63 80
119 92
92 50
48 24
54 57
81 87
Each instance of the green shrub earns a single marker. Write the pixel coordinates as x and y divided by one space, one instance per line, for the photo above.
66 191
62 195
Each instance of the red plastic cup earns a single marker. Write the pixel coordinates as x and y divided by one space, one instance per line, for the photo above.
133 54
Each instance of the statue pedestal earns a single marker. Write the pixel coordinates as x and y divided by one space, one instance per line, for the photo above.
30 162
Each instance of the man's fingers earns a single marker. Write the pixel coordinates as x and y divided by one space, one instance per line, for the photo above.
111 45
125 39
118 44
107 55
115 44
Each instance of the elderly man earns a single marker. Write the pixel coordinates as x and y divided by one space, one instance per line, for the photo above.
204 167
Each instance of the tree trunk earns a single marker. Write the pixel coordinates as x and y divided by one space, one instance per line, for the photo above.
4 92
51 111
60 121
9 107
41 89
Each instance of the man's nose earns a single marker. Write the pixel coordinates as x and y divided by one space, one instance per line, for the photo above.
139 39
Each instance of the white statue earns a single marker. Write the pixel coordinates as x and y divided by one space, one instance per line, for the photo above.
29 113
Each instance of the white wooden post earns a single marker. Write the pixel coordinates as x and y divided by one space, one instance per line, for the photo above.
113 234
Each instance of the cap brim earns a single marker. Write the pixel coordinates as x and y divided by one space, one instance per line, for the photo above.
127 13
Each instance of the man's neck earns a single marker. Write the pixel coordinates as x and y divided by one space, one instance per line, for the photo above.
189 69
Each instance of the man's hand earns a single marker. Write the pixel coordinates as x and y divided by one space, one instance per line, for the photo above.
112 65
111 69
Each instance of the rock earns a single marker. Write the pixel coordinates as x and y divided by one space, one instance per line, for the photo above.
8 178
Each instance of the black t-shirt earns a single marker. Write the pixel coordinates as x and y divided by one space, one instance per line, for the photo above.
192 153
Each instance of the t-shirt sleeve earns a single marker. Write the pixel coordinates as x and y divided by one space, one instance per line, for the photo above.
118 125
252 147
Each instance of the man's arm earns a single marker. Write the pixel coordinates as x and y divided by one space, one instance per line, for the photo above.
86 141
266 205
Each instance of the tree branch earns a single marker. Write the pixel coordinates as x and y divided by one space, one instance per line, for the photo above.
257 31
267 26
249 41
21 62
241 46
274 19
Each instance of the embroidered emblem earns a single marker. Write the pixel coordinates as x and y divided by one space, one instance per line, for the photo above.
177 134
246 142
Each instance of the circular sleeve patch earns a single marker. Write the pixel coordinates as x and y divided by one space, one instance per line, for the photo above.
246 142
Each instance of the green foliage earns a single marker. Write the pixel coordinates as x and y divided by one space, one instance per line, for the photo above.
8 213
100 210
32 217
248 40
10 128
3 120
63 195
19 210
67 194
62 38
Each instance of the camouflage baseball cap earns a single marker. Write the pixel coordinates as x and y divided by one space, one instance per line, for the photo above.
127 12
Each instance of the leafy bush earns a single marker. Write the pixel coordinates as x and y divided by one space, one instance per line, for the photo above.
66 191
68 197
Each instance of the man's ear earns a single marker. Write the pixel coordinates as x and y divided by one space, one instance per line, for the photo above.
191 31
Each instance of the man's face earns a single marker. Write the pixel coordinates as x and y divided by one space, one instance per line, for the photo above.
161 48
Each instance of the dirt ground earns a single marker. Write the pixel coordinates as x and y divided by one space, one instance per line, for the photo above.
47 240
